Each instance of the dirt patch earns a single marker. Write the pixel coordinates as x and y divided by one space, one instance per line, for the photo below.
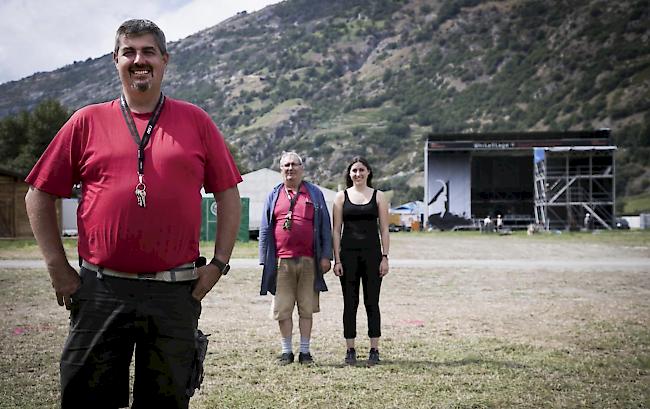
541 306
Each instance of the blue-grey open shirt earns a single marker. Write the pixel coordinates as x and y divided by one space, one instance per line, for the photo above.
322 238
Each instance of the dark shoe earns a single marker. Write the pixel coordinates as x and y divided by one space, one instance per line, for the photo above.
351 356
305 358
286 358
373 357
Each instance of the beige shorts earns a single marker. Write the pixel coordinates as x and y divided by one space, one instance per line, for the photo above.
295 284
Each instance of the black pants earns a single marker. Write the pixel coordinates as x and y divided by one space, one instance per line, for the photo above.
361 267
109 318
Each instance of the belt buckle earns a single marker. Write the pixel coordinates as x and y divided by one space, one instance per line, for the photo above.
147 276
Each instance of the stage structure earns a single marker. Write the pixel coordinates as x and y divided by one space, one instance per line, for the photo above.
553 179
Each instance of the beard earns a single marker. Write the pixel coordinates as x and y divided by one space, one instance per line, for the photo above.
141 86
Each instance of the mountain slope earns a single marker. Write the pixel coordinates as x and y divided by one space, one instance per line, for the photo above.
374 77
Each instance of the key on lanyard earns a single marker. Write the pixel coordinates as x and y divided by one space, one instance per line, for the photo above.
287 222
141 192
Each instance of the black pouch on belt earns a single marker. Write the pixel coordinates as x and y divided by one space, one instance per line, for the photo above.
201 344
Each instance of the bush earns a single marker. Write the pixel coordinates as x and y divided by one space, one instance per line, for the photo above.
398 130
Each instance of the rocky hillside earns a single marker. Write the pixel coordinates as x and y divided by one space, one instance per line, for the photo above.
341 77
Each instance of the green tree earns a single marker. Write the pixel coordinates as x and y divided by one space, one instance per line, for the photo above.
13 132
40 126
399 130
237 156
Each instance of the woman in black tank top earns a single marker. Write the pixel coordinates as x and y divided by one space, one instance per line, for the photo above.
361 245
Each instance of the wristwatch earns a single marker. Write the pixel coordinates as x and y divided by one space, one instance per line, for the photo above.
223 267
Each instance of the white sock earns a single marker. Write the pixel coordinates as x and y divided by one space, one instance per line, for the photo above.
286 345
304 345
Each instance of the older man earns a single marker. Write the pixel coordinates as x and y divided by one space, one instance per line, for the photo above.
295 249
141 160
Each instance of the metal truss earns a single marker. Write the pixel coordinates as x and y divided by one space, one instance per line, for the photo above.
574 187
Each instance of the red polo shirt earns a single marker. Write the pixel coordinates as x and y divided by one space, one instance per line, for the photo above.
299 241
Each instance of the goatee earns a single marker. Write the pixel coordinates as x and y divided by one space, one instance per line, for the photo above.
141 86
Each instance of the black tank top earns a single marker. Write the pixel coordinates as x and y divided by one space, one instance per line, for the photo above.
360 229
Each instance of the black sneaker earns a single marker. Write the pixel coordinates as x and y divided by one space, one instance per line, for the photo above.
286 358
351 356
373 357
305 358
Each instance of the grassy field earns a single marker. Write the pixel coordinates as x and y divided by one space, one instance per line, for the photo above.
403 242
25 249
467 337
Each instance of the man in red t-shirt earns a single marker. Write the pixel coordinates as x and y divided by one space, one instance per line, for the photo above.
141 161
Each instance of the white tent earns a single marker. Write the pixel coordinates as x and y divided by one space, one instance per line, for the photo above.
258 184
409 212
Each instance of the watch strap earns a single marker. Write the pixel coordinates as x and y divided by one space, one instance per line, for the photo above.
223 267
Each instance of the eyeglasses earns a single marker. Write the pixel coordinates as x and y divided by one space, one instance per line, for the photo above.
290 164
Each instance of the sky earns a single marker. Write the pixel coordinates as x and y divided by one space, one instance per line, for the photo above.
43 35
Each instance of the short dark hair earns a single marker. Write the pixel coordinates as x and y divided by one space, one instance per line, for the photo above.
138 27
364 162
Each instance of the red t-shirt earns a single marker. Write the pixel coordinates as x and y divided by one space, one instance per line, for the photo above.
299 241
94 147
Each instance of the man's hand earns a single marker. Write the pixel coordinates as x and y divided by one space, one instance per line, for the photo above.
209 275
325 265
41 211
65 281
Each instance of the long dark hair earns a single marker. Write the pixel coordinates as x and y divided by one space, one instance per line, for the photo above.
364 162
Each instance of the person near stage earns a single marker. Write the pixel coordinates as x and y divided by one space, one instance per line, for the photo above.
499 223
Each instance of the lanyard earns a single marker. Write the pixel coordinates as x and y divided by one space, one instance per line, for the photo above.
141 188
292 203
142 143
292 200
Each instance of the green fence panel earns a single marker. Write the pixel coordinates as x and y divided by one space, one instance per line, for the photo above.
244 221
209 219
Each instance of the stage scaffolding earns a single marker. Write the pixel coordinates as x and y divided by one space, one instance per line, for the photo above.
574 187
